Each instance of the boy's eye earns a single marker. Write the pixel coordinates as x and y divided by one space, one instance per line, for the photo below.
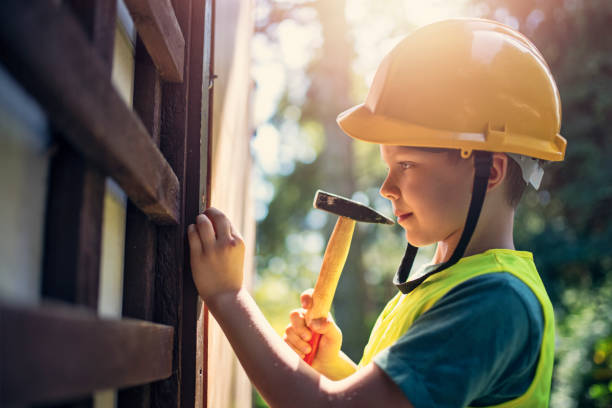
406 165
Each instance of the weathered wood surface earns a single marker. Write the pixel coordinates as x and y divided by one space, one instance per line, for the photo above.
141 233
56 352
175 293
73 230
71 270
71 261
81 102
97 18
147 91
206 149
198 171
157 26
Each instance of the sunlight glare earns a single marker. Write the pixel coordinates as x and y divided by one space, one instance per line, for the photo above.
424 12
270 79
266 148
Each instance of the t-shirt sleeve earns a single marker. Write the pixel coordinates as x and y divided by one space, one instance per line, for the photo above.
480 340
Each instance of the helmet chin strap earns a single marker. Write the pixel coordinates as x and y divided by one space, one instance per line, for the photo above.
482 165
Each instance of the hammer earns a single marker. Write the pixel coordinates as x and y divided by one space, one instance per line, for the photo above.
349 212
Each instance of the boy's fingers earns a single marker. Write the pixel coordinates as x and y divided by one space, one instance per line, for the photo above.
299 325
205 230
306 298
298 352
235 234
220 223
195 245
297 343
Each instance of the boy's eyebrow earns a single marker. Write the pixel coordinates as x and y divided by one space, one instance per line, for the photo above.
415 150
427 149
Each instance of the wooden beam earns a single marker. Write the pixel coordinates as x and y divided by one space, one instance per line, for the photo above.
71 261
141 233
147 91
196 139
70 81
55 352
206 149
73 230
157 26
98 19
175 294
71 268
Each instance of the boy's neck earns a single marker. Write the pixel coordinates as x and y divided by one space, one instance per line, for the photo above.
493 231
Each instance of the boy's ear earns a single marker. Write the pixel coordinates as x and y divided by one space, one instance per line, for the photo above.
499 170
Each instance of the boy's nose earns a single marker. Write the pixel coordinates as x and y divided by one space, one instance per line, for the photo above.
388 189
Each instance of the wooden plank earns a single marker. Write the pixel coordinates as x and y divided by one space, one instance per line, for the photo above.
97 18
73 231
71 261
157 25
141 233
81 102
55 352
195 180
176 296
139 275
147 91
206 149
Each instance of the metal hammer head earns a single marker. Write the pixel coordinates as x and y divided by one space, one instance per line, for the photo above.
348 208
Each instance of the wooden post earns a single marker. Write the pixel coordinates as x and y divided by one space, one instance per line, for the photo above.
141 232
175 294
73 232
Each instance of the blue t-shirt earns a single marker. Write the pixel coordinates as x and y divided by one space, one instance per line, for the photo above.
478 345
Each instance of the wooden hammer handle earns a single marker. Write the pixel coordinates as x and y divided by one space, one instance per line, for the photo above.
331 268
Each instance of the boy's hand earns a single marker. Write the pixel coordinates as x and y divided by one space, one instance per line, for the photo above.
217 254
298 334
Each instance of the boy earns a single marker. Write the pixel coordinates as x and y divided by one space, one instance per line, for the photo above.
461 109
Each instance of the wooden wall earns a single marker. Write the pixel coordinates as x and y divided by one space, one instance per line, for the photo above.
119 167
57 56
228 386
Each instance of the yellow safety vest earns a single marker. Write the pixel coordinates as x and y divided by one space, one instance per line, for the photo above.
401 312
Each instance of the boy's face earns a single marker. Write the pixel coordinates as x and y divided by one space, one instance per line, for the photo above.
430 192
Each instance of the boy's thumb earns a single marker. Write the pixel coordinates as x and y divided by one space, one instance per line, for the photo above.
320 325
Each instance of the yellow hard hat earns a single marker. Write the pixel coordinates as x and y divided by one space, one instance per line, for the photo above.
468 84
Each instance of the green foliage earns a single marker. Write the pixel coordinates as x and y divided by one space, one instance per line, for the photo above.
583 373
258 401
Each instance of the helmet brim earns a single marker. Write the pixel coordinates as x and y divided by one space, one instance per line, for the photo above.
361 123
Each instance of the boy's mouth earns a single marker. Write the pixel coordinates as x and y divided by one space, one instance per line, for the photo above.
402 217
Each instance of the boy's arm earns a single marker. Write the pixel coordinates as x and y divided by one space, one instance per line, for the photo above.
283 379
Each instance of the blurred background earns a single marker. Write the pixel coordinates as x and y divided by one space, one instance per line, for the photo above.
313 59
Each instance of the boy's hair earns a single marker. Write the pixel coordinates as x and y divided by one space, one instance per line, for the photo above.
515 184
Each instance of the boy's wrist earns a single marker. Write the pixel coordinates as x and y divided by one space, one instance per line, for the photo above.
338 368
217 301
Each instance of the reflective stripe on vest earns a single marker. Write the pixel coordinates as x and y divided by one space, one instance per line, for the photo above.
401 312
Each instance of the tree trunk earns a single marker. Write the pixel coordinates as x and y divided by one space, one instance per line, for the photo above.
328 96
